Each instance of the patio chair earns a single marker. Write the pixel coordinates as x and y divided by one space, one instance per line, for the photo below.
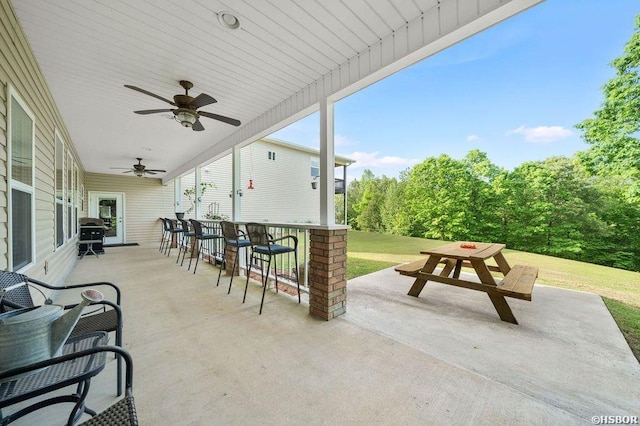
186 239
233 237
83 358
265 247
171 228
107 317
200 237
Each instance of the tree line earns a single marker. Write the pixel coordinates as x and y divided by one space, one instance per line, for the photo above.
585 208
552 207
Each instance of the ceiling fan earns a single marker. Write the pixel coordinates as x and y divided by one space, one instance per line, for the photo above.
140 169
187 107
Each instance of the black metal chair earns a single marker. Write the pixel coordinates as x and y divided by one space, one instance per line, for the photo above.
171 228
200 237
107 317
83 358
233 237
187 234
265 247
123 412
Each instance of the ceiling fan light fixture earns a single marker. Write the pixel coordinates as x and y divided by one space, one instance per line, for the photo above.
138 173
186 117
228 20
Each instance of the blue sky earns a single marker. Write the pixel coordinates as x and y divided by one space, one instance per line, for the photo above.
514 91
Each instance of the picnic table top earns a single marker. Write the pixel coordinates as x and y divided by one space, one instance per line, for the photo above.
466 250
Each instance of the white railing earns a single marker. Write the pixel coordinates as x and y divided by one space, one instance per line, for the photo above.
285 262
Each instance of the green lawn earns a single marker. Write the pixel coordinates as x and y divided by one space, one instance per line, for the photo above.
369 252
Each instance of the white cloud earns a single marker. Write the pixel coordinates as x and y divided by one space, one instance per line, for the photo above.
343 141
541 134
473 138
368 160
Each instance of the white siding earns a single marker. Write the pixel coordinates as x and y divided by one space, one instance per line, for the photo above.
146 200
282 187
18 67
279 185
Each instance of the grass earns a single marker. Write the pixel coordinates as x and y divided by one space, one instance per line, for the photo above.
369 252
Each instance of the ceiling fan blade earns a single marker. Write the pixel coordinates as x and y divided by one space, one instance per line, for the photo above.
128 171
155 170
197 126
150 172
152 111
120 168
222 118
202 100
149 93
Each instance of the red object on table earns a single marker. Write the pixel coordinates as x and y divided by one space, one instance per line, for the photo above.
467 245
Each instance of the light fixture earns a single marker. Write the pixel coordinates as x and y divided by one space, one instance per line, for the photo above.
228 20
138 173
186 117
314 184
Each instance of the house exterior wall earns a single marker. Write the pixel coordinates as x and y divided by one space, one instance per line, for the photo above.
279 184
19 69
145 201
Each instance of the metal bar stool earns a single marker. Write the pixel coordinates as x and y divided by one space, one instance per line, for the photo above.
202 237
264 245
235 238
186 240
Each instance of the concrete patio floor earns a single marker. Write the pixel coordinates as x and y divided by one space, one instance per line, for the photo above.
203 358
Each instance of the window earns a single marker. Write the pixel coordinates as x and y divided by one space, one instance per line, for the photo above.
69 196
315 167
76 199
59 191
21 185
272 155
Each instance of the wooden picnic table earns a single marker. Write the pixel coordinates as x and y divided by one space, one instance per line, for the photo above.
516 281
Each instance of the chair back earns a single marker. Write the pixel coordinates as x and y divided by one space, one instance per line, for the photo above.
185 225
229 230
18 297
197 227
257 234
165 223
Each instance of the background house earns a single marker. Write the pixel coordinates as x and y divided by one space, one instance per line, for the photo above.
281 174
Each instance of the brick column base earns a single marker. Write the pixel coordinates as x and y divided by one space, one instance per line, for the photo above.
327 273
232 252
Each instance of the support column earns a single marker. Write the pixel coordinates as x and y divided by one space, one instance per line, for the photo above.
198 195
236 184
327 272
327 164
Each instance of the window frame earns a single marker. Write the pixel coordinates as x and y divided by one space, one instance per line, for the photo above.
12 184
315 165
59 202
69 195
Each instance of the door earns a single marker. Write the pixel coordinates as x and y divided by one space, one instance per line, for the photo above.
109 206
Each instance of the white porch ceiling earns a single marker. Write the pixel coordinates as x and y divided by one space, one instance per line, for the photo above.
287 55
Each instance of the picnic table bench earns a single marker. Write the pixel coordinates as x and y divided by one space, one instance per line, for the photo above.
517 283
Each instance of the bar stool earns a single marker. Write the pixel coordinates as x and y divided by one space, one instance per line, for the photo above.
200 236
263 245
171 229
186 235
235 238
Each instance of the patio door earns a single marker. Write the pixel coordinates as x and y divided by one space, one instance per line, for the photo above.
109 206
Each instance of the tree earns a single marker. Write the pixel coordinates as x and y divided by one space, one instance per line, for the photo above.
437 195
613 131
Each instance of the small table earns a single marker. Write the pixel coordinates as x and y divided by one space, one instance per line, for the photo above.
474 255
78 371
